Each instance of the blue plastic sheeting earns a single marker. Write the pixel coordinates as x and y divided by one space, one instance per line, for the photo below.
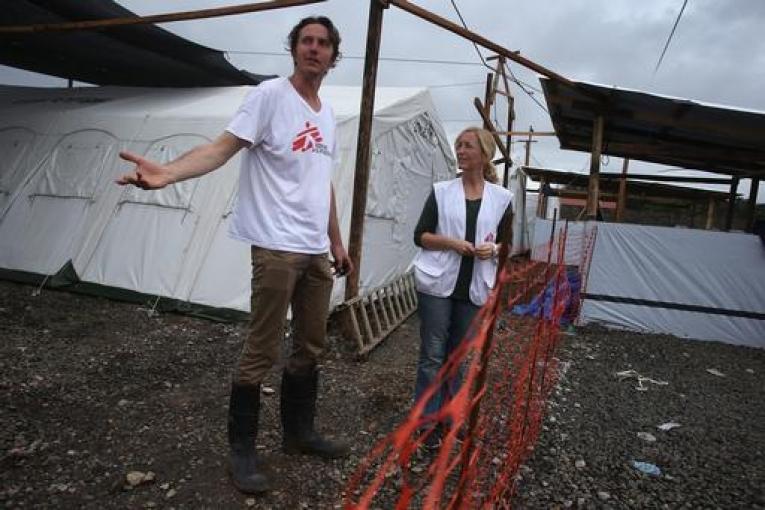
569 288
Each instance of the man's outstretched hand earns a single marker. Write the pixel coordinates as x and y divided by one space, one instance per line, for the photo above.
146 174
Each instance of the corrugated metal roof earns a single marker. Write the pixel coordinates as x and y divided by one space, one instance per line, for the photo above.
659 129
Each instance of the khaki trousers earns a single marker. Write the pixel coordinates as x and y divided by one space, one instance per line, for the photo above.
281 279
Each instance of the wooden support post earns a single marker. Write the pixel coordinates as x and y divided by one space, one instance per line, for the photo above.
510 119
731 204
541 199
488 100
363 144
710 213
528 146
487 124
692 212
621 203
752 209
594 185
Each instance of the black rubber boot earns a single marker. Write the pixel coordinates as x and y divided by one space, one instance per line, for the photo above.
243 412
298 408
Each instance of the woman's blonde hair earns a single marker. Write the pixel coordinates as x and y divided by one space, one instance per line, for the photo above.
488 148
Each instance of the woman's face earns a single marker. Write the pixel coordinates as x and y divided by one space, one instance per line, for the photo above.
469 156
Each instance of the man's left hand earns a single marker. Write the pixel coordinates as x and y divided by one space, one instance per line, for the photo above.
342 263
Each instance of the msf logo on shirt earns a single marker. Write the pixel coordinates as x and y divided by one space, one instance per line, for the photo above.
310 139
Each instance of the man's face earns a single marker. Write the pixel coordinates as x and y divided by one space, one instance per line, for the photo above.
313 52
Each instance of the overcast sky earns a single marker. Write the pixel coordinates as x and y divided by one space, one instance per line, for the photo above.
717 54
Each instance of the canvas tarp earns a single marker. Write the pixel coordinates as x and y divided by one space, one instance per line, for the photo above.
685 282
60 208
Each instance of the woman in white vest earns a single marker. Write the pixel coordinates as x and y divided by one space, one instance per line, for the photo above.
459 229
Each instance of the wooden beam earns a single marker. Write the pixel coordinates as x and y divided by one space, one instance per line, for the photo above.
593 188
472 36
710 213
752 206
731 204
526 133
667 178
363 144
156 18
622 201
487 122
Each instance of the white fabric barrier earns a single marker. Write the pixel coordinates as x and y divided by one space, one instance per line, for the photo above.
59 203
684 282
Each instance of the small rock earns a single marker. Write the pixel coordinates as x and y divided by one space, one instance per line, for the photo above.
164 486
716 372
580 464
123 402
267 390
136 478
645 436
249 501
603 495
749 371
171 493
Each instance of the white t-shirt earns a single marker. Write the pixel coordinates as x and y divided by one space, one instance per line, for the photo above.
285 178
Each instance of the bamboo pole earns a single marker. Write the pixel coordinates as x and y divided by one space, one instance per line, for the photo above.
156 18
363 144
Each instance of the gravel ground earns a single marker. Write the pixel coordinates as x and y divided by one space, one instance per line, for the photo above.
714 459
91 390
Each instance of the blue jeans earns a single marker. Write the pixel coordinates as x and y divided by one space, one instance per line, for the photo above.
444 322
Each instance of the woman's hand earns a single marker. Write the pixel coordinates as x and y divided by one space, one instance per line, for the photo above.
486 251
464 248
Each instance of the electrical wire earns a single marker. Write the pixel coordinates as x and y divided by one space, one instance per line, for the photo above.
669 39
464 25
524 89
357 57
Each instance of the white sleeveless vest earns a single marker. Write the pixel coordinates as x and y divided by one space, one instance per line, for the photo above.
436 271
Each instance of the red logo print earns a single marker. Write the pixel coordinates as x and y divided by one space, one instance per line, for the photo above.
306 139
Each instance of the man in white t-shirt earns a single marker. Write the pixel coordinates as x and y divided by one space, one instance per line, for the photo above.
286 211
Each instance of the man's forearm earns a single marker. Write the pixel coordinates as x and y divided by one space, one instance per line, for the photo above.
333 230
204 158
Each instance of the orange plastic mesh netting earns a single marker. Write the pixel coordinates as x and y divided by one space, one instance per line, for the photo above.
489 426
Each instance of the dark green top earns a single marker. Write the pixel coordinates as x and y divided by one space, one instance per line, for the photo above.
429 221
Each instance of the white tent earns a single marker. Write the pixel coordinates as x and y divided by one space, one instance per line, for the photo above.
62 215
685 282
